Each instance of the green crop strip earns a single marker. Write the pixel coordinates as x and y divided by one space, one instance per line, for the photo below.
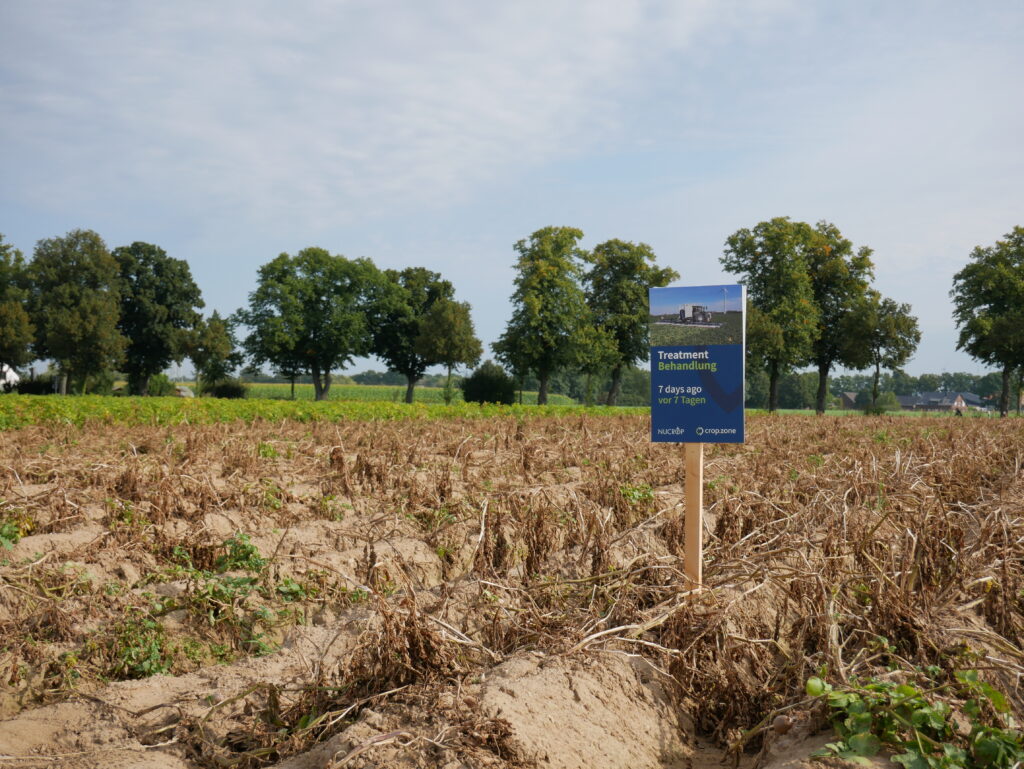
25 410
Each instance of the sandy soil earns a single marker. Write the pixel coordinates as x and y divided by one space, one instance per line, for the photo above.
494 593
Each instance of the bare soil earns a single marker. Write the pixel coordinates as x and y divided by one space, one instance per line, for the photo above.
491 593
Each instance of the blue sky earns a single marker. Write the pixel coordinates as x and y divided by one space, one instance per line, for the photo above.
440 133
722 298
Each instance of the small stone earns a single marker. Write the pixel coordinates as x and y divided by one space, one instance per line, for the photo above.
782 724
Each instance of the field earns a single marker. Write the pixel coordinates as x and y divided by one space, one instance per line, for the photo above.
502 589
391 393
665 332
26 410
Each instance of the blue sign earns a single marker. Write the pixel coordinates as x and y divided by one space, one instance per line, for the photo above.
698 336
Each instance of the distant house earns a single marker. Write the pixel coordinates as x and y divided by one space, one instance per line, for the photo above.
942 401
973 401
8 379
908 402
848 401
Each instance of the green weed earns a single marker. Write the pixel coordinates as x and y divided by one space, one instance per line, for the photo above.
918 724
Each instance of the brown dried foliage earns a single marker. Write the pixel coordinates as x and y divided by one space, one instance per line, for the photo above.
464 542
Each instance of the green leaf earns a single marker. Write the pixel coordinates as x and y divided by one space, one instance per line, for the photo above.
928 717
910 760
841 699
995 697
864 744
967 676
859 722
988 751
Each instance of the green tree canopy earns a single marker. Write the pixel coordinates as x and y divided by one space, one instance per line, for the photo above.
620 275
888 332
840 277
548 306
415 290
16 329
212 350
798 390
596 351
159 300
75 305
447 337
313 310
772 260
988 305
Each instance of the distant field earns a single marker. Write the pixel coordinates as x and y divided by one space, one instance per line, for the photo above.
667 334
370 393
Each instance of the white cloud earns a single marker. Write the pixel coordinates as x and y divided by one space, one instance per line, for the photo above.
318 110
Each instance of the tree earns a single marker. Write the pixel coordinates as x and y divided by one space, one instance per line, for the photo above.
159 300
989 384
414 291
313 312
488 384
447 337
901 383
755 383
988 305
839 279
772 260
617 285
549 306
16 329
798 391
596 351
889 333
75 305
212 350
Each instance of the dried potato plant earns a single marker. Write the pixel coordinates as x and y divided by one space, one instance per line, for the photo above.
444 547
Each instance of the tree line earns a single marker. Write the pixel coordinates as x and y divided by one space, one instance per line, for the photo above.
811 304
579 316
798 390
134 309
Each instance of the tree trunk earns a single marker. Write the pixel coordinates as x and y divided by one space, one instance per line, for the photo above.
321 383
819 400
293 387
588 390
874 384
1004 396
616 388
448 388
773 386
137 385
410 386
62 383
542 391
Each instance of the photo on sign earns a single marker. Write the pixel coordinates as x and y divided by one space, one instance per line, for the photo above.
688 315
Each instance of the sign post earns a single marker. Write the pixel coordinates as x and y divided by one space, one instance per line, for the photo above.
693 523
698 336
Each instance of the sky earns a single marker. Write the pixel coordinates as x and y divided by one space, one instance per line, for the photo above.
722 298
438 134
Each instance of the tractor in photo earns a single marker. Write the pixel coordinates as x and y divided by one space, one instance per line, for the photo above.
694 313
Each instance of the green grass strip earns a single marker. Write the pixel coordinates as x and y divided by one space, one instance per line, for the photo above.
25 410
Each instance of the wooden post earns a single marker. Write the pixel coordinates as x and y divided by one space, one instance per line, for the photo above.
693 523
